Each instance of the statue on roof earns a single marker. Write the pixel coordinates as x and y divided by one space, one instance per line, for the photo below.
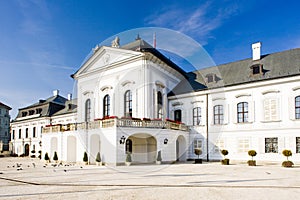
116 42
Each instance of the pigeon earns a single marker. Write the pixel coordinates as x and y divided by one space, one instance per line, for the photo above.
33 165
65 170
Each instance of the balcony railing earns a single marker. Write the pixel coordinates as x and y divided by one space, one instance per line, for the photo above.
115 122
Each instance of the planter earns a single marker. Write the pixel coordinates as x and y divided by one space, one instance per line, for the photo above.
127 163
225 161
251 162
158 162
287 164
99 163
85 163
198 161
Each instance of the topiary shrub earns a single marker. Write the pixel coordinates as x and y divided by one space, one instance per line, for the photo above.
98 157
225 161
198 152
33 151
85 157
46 157
252 162
159 156
55 158
128 158
287 154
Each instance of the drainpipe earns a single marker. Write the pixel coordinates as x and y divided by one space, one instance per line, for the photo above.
207 141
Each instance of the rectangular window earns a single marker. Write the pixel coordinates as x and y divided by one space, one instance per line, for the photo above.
271 145
20 133
177 115
297 107
243 145
270 109
26 132
242 112
197 144
219 145
297 144
196 116
33 132
13 134
218 114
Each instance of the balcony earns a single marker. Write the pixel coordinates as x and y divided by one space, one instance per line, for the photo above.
115 122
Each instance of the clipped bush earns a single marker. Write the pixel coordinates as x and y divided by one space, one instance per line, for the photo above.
55 158
252 153
128 157
98 157
225 161
32 156
287 153
46 157
33 151
224 152
159 156
85 157
198 152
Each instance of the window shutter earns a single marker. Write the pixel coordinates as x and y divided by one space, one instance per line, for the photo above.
226 113
251 111
234 113
267 116
291 106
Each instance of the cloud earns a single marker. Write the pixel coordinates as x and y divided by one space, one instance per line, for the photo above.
198 23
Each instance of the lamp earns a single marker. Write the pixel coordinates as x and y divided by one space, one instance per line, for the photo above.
122 140
166 141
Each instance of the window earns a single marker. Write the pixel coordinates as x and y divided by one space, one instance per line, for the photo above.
106 106
271 145
218 114
31 112
26 132
33 132
270 109
197 144
297 107
87 110
128 146
13 134
128 103
210 78
20 133
38 111
256 69
197 116
243 145
177 115
24 114
219 146
6 133
159 105
242 112
297 144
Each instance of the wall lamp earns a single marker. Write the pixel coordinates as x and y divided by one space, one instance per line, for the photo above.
122 140
166 141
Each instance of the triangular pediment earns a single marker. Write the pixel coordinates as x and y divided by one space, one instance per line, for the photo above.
105 57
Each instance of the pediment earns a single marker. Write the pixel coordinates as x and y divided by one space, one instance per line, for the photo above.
105 57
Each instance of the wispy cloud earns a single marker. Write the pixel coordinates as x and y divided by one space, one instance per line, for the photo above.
198 23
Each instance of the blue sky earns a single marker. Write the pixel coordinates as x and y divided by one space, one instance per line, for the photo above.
44 42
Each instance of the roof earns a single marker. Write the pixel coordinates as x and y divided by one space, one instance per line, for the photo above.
70 107
275 65
5 106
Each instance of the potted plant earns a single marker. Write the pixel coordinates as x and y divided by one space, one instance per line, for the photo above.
98 159
287 163
252 162
40 154
225 161
85 158
55 158
198 152
128 159
47 159
158 159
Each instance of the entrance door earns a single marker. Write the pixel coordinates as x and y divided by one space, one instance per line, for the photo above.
26 150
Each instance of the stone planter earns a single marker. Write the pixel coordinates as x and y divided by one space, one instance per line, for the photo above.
198 161
225 161
251 162
127 163
158 162
287 164
99 163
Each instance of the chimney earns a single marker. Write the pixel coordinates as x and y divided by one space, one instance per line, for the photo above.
256 51
69 97
55 92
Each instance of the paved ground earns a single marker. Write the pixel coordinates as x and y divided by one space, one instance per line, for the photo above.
178 181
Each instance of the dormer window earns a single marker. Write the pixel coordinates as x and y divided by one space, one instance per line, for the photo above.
210 78
38 111
24 114
31 112
257 69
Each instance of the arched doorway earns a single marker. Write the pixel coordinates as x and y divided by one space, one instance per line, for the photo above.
26 153
180 148
95 147
71 149
143 147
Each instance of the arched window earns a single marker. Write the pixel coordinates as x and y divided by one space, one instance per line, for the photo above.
242 112
159 105
128 147
87 110
196 116
218 114
33 132
128 104
26 132
106 106
297 107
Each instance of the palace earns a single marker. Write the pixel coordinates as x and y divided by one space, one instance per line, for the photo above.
132 99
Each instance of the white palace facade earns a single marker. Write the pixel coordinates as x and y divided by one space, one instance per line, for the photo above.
132 99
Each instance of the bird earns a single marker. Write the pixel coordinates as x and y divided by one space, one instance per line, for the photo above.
33 165
268 173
